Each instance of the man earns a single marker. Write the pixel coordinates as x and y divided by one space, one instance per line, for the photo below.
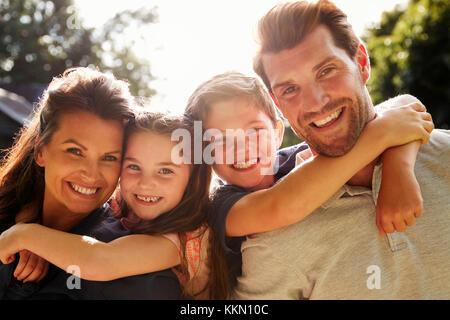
316 70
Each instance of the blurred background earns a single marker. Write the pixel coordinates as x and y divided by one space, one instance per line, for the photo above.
165 49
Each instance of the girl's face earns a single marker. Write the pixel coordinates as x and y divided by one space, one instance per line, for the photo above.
81 162
151 183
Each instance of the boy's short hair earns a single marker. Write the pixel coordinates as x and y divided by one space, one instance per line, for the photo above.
227 86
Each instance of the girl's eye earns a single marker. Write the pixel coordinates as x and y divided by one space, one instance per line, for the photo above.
165 171
133 167
110 158
74 151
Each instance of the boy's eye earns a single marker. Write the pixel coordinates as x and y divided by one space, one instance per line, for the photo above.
165 171
74 151
110 158
133 167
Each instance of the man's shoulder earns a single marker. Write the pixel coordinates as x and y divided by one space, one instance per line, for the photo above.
437 151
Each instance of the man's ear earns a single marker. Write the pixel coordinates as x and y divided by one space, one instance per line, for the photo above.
279 133
362 58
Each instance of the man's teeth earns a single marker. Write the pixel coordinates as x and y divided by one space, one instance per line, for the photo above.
327 120
245 164
87 191
148 199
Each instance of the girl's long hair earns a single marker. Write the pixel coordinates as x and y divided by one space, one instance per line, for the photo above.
21 179
192 212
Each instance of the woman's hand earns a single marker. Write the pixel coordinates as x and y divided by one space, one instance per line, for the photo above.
31 267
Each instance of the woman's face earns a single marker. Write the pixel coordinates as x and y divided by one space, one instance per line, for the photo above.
82 163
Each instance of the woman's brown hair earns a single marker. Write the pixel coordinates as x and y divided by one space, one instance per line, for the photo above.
21 179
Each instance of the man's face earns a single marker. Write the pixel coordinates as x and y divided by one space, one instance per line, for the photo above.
321 91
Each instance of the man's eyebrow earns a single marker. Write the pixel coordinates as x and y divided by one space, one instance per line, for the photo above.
315 68
323 62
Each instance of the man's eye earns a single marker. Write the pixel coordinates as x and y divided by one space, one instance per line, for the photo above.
74 151
165 171
289 90
133 167
326 71
110 158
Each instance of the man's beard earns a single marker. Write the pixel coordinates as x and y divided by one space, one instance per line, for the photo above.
358 114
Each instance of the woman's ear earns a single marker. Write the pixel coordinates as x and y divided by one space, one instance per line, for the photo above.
38 154
279 133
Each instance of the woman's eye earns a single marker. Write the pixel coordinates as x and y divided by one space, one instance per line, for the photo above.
165 171
74 151
110 158
133 167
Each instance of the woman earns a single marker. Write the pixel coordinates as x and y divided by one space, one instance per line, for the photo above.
66 162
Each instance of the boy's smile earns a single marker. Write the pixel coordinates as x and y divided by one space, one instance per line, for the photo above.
247 165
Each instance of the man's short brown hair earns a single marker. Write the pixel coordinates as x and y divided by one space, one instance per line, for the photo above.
287 24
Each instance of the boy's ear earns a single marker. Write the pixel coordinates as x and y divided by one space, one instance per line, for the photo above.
279 133
362 58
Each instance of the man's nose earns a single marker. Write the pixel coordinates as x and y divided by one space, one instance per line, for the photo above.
314 98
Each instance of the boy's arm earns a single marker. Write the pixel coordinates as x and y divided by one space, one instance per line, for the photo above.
98 261
316 180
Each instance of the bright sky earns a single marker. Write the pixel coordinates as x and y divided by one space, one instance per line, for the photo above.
196 39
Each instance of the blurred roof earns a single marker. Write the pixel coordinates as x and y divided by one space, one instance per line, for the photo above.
14 106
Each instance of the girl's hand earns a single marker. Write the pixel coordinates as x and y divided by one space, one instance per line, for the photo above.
399 201
404 124
31 267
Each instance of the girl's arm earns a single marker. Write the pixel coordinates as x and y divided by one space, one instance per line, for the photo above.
313 182
97 261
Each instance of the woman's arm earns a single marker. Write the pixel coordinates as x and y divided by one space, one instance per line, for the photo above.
309 185
98 261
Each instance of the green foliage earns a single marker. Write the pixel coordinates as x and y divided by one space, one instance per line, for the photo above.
410 53
40 39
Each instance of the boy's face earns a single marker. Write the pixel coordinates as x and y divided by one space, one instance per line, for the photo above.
244 143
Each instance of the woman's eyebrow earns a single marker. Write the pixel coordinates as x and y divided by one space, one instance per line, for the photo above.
84 148
75 142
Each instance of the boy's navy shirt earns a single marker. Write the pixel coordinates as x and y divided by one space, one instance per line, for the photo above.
101 225
226 195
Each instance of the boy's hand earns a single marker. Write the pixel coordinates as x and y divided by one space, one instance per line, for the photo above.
404 124
399 201
31 267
